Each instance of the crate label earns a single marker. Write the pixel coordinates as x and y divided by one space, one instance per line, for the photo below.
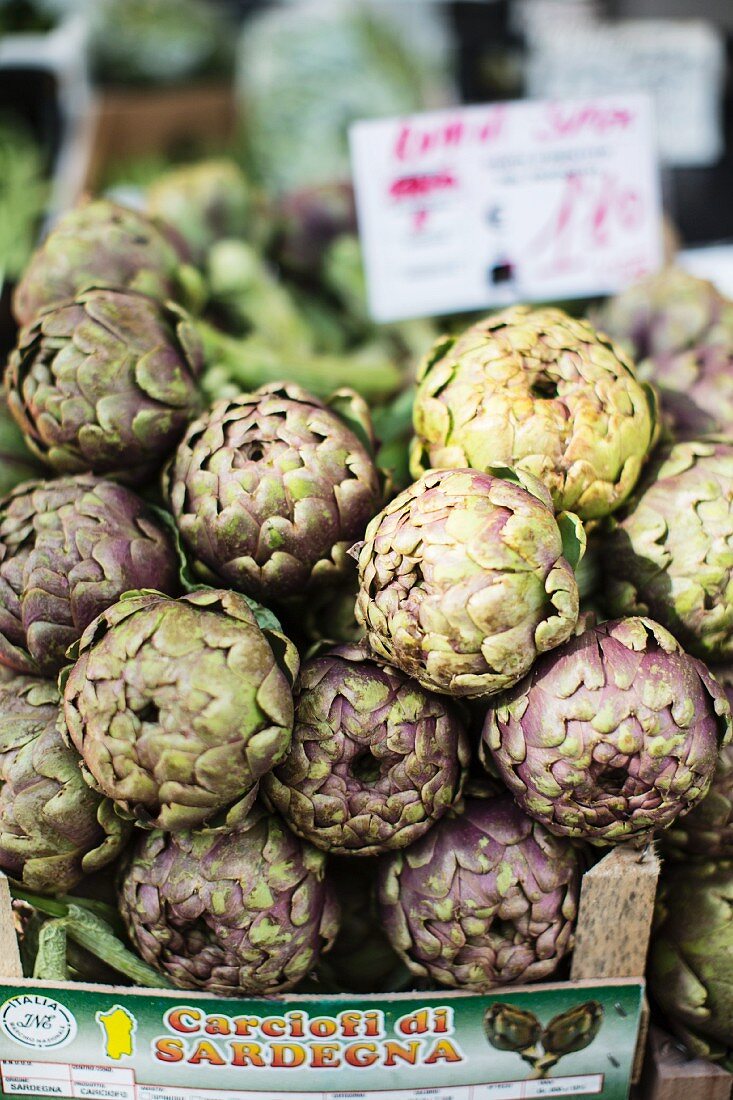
480 206
101 1043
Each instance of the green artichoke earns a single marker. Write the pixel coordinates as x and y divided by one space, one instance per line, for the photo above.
464 580
17 462
102 244
244 911
179 707
375 760
69 548
487 897
610 736
106 382
543 392
670 555
270 490
204 202
53 828
690 970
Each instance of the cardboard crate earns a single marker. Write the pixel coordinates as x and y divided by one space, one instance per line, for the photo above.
121 1043
129 123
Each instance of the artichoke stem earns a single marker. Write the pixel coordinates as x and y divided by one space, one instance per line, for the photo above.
251 362
50 963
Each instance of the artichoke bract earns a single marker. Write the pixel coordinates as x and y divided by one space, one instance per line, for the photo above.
269 491
69 548
543 392
488 897
375 760
707 831
233 912
204 202
670 555
690 970
463 580
106 382
100 244
612 736
53 828
179 707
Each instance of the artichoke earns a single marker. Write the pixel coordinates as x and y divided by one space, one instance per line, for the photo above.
374 761
242 911
204 202
101 244
17 463
670 555
690 970
309 220
327 617
269 491
463 580
543 392
488 897
68 550
362 959
611 736
668 312
53 828
510 1028
680 330
707 831
106 382
178 707
573 1030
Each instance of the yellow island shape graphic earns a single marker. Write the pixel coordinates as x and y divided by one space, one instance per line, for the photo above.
118 1027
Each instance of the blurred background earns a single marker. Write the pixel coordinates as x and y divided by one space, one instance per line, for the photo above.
105 96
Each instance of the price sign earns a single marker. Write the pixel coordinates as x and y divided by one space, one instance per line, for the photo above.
481 206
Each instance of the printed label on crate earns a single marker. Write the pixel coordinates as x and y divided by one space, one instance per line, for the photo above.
481 206
67 1040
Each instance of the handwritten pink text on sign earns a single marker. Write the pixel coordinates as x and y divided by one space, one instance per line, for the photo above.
479 206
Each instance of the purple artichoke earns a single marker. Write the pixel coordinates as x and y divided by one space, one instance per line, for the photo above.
679 329
612 736
270 490
68 550
106 382
179 707
464 580
707 830
53 828
101 244
244 911
375 759
488 897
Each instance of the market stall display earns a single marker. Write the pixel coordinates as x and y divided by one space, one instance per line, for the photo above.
280 660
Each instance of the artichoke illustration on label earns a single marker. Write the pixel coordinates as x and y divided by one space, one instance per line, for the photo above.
508 1027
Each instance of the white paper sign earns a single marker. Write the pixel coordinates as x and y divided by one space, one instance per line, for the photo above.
481 206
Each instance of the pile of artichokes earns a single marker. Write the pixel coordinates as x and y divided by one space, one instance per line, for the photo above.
261 697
